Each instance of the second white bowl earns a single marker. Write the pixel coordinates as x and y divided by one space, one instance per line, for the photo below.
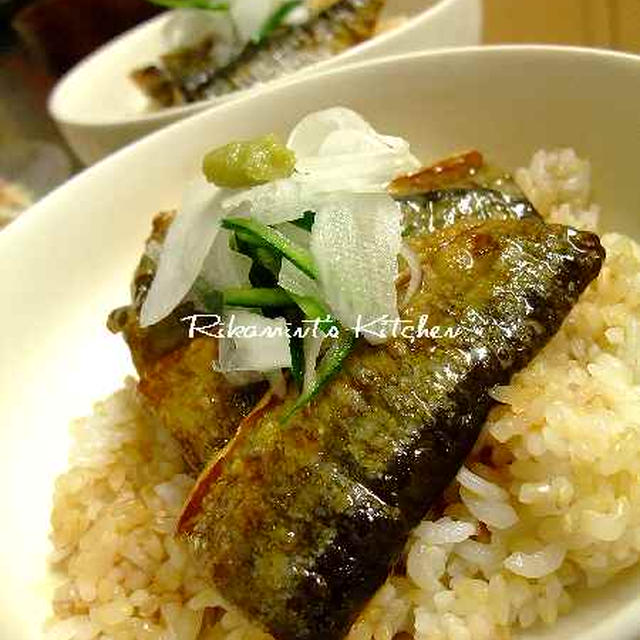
98 109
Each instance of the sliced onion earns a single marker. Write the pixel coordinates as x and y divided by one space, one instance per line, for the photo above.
293 280
309 134
312 344
250 15
336 151
265 349
273 203
415 271
338 131
357 172
355 242
225 268
351 157
296 234
350 141
186 246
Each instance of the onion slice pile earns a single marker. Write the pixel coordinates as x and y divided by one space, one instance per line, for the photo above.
337 151
355 242
339 191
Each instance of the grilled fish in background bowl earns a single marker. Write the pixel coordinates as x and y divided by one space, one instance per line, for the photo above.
67 263
99 109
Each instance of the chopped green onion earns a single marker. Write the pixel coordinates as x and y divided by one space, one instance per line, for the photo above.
306 222
330 364
275 20
192 4
266 262
297 360
300 256
250 239
313 309
255 297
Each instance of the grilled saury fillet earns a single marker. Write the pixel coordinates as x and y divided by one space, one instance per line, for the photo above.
190 75
298 523
198 405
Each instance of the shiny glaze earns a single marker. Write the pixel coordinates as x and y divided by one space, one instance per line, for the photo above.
299 525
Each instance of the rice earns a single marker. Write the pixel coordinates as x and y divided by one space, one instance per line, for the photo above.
122 573
548 503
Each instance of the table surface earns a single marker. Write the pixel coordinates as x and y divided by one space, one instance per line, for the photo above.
612 24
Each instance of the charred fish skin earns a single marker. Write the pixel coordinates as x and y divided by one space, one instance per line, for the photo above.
442 208
341 26
509 309
291 572
300 524
461 187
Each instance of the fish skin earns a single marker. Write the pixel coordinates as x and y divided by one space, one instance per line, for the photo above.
445 173
343 25
458 188
298 525
158 85
441 208
197 405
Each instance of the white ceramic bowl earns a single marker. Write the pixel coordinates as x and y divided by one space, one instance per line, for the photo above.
98 109
68 261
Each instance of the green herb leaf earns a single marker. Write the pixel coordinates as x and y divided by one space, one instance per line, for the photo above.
330 364
306 222
313 309
256 297
275 20
300 256
208 5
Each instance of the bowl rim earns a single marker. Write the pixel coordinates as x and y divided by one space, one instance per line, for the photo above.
56 100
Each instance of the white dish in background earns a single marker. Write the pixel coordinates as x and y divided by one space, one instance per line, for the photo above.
68 261
98 108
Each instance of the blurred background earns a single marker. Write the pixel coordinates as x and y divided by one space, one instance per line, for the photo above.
41 39
614 24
